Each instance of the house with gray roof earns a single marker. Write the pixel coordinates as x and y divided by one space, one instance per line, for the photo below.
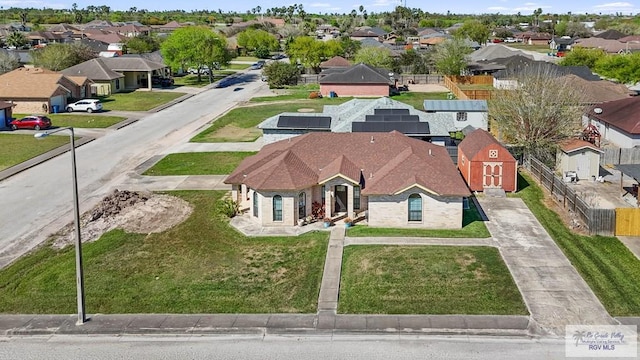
460 113
357 80
118 73
361 115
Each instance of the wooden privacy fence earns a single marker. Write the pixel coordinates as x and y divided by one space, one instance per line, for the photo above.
627 222
617 156
598 221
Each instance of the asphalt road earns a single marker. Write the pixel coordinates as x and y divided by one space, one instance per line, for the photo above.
360 347
38 201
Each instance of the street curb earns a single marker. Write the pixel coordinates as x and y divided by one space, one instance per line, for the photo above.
8 172
308 324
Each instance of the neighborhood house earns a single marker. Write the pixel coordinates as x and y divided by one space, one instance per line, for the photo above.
617 121
390 179
579 158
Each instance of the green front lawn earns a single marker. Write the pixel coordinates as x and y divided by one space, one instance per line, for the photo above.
18 148
472 227
239 124
245 58
297 92
610 269
233 66
138 100
200 266
198 163
427 280
80 121
192 80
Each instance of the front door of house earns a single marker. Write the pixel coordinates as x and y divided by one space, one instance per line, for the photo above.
492 175
341 199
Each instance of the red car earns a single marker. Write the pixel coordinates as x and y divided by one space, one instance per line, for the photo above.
35 122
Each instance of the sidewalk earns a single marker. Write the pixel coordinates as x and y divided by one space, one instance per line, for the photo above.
202 324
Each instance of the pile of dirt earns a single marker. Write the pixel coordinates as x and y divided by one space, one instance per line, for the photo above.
132 211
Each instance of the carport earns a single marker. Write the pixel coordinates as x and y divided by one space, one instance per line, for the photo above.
633 171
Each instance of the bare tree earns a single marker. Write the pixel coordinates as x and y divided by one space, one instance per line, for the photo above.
538 111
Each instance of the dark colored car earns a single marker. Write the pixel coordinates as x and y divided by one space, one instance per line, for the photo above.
162 81
35 122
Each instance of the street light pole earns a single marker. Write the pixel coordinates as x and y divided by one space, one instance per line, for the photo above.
76 215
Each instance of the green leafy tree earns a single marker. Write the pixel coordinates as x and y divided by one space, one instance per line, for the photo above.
197 47
254 39
142 44
307 51
582 56
374 56
17 39
414 61
538 113
449 56
57 57
8 62
561 28
349 47
474 30
576 29
333 48
623 68
503 33
280 74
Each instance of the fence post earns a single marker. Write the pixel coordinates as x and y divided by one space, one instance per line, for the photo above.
564 196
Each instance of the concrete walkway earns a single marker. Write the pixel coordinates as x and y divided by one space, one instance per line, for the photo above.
330 287
136 182
420 241
554 292
632 243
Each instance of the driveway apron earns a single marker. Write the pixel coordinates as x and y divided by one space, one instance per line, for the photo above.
554 292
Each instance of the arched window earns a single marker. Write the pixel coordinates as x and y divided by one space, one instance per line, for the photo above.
277 208
415 207
255 204
302 205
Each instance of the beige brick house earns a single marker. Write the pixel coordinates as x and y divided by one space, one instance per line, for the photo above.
388 178
37 90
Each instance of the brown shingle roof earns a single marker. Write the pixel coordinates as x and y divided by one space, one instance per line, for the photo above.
476 141
572 145
388 162
623 114
357 74
598 91
336 61
25 83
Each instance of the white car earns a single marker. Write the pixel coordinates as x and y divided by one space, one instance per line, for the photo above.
88 105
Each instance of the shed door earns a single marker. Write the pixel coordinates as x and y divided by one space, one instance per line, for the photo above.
582 165
492 175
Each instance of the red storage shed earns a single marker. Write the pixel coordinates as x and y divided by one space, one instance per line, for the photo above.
484 163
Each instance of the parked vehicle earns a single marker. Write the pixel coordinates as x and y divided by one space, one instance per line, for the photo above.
258 65
35 122
88 105
162 81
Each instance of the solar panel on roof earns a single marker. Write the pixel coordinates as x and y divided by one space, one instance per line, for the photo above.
391 111
304 122
413 128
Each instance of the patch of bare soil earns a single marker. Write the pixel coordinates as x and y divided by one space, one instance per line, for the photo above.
231 132
132 211
306 110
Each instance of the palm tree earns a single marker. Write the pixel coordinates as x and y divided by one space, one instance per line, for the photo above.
16 39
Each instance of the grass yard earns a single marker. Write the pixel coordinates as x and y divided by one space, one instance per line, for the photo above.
81 121
472 227
239 124
17 148
198 163
416 99
610 269
235 66
138 100
427 280
200 266
297 92
245 58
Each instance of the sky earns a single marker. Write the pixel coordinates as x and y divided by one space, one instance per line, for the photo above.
345 6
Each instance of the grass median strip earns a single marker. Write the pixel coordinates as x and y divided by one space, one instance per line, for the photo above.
605 263
200 266
427 280
472 227
198 163
17 148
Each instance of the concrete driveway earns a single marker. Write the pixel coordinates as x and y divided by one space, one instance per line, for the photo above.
552 289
